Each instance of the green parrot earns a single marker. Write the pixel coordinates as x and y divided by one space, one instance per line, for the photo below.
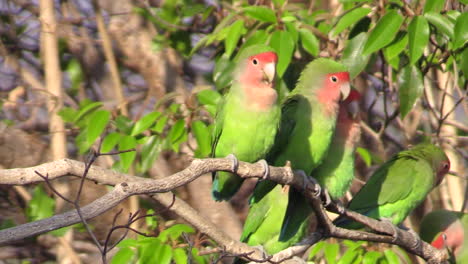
399 185
308 114
447 229
247 118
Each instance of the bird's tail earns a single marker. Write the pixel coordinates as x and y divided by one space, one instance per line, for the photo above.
225 185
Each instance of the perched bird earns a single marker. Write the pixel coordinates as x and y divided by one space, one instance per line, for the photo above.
308 114
447 229
247 118
399 185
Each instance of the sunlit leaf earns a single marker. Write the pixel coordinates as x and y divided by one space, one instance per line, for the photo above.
384 32
418 32
309 42
145 122
236 31
371 257
331 252
461 31
96 124
353 58
397 46
261 13
411 87
443 24
203 136
433 6
283 43
127 158
350 19
365 155
123 256
391 257
110 141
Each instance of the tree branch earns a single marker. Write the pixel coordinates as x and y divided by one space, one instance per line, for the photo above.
127 185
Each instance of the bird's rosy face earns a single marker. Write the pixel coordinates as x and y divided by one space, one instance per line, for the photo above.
339 80
261 69
443 169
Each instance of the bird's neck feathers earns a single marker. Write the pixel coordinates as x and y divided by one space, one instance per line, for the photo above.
348 130
256 96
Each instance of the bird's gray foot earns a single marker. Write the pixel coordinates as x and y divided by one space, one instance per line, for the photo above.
310 183
266 169
394 228
235 162
326 198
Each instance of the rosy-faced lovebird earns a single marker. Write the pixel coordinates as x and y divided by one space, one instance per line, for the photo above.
337 170
399 185
309 113
248 116
447 229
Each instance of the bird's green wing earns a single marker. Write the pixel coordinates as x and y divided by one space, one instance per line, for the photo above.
218 126
388 184
287 124
259 208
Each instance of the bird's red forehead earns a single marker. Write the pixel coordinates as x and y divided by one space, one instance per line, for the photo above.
342 76
268 56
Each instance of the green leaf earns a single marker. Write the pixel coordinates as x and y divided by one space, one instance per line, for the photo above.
331 252
315 249
353 58
292 29
96 125
261 13
443 24
89 108
433 6
349 256
160 124
110 141
463 58
391 257
174 232
350 19
128 242
461 31
384 32
124 124
123 256
198 259
177 130
371 257
179 256
257 37
418 32
203 136
126 159
222 72
236 30
150 152
309 42
75 73
397 46
411 87
283 43
67 114
164 255
149 250
41 205
208 97
365 155
144 123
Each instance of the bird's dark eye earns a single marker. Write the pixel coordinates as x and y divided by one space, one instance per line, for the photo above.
334 79
446 166
255 61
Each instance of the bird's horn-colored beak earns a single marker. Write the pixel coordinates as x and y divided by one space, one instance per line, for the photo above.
269 71
345 89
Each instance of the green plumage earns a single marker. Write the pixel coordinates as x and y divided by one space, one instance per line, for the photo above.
306 129
241 129
399 185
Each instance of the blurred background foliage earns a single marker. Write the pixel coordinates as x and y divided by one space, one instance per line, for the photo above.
174 61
